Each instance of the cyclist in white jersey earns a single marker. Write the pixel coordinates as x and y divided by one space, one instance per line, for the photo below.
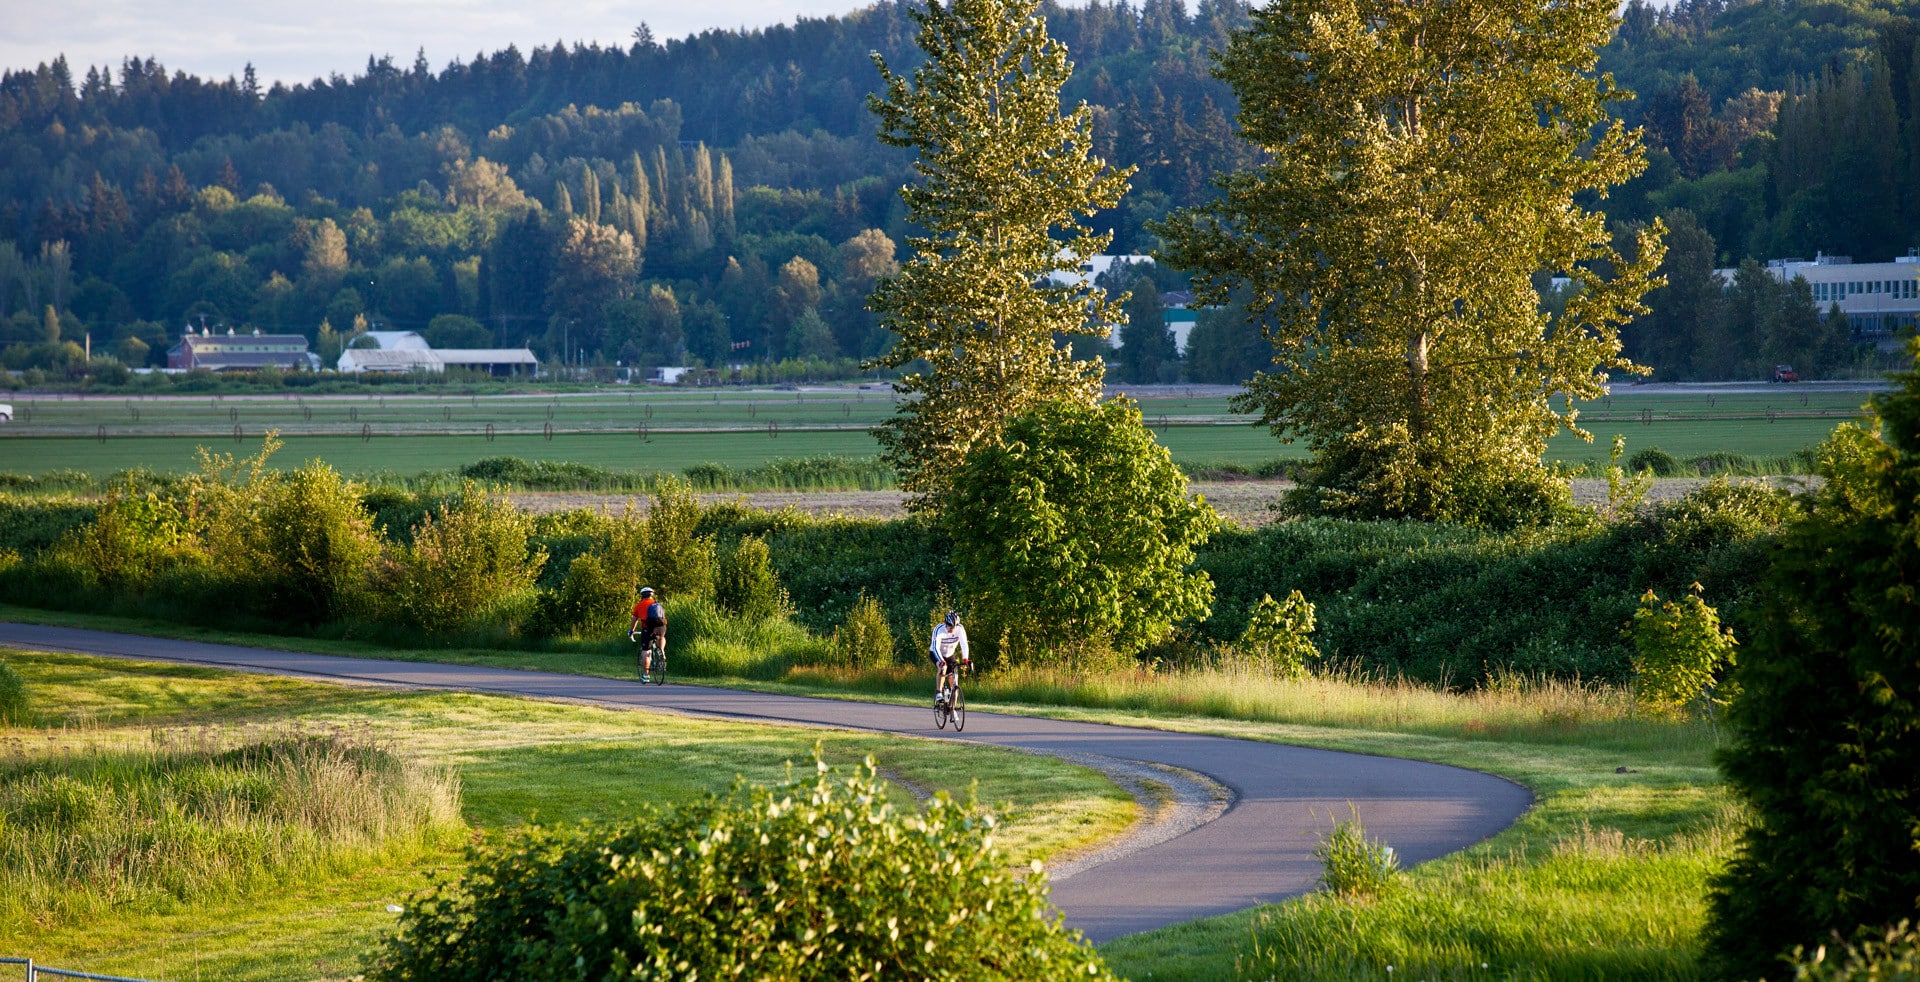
948 639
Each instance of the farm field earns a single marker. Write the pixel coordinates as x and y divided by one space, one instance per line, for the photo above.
669 431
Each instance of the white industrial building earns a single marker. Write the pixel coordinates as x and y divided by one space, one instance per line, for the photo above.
493 361
1877 298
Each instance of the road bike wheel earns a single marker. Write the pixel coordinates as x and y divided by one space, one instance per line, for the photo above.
939 713
957 708
660 665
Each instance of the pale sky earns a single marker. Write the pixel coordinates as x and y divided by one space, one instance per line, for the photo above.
296 42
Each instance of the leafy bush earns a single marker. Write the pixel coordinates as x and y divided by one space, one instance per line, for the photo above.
1076 528
1383 474
1353 865
826 564
1825 728
133 538
312 547
1453 604
673 556
1680 649
1655 460
1277 636
595 599
14 704
747 586
865 640
466 563
817 879
1893 954
29 525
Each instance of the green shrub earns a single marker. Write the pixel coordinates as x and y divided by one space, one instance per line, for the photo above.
1825 728
1277 636
747 586
1655 460
595 600
14 704
1076 529
312 547
672 555
1452 604
1680 649
818 879
1893 954
865 640
1353 865
465 564
132 539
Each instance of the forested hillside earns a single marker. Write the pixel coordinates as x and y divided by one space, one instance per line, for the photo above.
721 197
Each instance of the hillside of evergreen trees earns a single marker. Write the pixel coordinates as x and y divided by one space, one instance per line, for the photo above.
721 197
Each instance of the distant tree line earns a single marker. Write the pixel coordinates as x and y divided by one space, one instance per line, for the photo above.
722 197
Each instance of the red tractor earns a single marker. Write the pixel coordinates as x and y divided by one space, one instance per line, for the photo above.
1785 373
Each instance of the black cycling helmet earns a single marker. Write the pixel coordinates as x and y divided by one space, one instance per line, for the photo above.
645 592
953 618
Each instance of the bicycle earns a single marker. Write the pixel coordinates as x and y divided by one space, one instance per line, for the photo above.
951 704
657 645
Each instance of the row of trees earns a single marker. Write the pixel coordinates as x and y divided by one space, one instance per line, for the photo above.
1701 327
1786 129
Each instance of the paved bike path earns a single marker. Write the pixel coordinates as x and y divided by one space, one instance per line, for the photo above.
1259 851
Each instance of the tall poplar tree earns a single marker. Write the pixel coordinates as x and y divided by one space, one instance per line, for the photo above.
1003 171
1424 159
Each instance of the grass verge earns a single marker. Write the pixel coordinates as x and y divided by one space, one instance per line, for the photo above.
515 760
1604 878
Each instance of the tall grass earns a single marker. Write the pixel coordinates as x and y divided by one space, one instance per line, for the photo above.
1541 710
188 814
1595 905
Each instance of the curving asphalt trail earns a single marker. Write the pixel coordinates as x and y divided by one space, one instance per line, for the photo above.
1259 851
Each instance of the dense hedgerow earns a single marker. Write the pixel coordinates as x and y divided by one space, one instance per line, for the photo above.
816 879
1433 601
1450 603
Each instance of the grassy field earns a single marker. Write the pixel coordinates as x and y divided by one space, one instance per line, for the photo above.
670 430
674 452
516 761
1605 878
